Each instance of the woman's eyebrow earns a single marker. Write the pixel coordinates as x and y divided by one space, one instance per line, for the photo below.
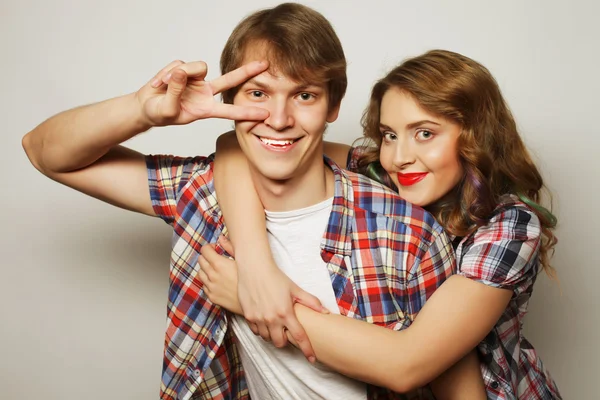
422 122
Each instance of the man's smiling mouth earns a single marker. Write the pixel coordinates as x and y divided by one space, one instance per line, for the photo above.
278 144
275 142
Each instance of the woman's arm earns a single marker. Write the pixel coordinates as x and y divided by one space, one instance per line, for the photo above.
266 294
452 322
457 316
338 152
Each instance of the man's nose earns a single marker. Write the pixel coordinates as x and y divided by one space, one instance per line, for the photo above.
280 115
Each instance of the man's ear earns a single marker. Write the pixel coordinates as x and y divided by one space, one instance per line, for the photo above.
333 114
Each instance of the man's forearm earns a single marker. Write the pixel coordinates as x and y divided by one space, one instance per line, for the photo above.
77 138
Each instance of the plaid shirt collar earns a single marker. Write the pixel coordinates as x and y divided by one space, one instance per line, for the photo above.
338 237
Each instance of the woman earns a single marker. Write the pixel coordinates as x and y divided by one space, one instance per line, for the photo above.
446 141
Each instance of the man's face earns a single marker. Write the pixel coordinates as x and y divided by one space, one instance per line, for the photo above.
289 142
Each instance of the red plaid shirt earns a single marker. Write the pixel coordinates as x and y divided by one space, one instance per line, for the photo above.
385 258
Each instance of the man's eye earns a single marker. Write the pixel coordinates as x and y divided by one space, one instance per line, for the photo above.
257 93
306 96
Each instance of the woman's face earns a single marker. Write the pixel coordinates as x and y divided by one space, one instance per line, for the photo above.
418 150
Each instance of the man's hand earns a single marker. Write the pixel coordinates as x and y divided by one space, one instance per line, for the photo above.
179 94
267 297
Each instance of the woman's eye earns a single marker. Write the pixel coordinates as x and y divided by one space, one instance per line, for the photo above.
389 136
424 135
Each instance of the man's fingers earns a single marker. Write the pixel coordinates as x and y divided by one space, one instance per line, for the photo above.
171 103
157 80
299 335
196 70
239 113
238 76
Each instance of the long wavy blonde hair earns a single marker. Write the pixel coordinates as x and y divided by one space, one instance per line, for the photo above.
491 151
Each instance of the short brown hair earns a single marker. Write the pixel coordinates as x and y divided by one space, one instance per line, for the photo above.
300 43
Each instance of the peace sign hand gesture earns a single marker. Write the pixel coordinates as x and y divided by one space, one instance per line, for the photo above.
179 94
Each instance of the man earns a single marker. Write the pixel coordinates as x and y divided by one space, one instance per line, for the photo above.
281 108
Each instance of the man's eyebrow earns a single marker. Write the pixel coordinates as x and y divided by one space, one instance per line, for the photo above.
256 82
305 86
265 86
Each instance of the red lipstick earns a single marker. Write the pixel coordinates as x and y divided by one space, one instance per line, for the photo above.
411 178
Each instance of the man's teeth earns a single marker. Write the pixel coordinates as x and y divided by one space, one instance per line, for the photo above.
274 142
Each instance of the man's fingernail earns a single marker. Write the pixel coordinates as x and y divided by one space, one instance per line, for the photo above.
312 359
168 77
156 83
324 310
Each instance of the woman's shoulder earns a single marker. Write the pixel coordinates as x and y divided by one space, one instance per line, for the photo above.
512 217
504 251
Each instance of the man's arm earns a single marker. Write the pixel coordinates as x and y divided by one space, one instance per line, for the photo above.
80 147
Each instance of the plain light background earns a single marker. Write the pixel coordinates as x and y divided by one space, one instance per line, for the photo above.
83 285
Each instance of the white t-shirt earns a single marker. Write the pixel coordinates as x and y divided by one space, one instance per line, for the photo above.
273 373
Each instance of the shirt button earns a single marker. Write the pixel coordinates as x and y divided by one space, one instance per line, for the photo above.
218 332
197 373
495 385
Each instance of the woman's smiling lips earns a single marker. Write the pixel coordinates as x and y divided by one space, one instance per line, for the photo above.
411 178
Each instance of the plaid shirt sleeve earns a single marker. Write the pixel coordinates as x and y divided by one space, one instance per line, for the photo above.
501 253
429 272
167 175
